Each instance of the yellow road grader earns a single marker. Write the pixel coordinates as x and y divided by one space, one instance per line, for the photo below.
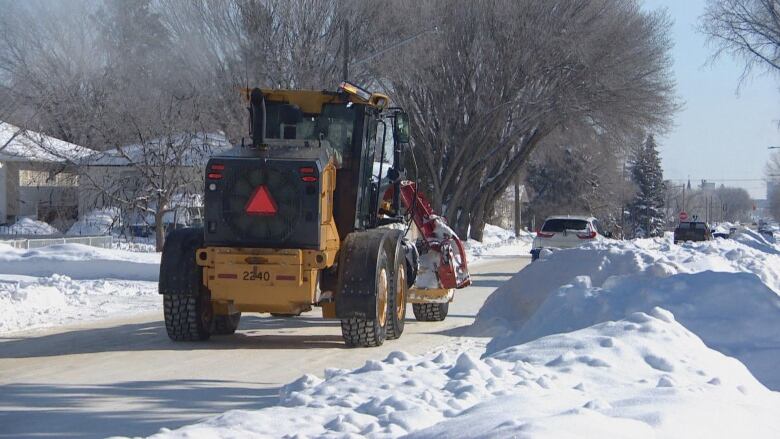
316 211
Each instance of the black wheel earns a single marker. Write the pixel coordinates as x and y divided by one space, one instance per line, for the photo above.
284 315
189 315
360 332
188 318
430 312
226 324
396 303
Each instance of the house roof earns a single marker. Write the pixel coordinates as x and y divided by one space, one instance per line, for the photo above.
20 145
181 150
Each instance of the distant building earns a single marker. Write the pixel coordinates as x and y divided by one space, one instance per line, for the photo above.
707 186
772 185
37 179
119 174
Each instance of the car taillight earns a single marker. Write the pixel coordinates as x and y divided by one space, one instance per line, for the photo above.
541 234
586 235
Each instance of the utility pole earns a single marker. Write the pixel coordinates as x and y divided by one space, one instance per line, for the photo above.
518 219
345 71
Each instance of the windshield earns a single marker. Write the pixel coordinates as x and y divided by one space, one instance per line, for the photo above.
335 124
560 225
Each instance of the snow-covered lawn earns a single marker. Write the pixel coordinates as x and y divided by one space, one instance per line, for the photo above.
581 344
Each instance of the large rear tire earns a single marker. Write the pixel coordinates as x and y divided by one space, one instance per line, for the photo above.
187 308
430 312
188 318
226 324
361 332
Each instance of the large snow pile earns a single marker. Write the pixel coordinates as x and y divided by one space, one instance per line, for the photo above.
80 262
725 291
30 302
645 376
67 283
28 226
98 222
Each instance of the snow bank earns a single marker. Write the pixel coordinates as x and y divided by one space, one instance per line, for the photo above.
66 283
28 226
725 291
98 222
644 376
29 302
80 262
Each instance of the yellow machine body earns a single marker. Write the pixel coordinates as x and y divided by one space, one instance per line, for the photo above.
281 281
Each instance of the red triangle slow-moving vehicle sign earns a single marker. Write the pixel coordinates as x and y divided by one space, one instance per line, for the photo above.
261 202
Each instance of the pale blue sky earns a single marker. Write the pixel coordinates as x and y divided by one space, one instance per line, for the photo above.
722 133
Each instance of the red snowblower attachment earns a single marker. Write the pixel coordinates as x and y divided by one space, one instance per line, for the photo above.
438 239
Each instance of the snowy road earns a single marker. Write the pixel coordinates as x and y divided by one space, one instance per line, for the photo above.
125 376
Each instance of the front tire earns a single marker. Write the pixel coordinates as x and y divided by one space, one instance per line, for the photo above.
430 312
188 318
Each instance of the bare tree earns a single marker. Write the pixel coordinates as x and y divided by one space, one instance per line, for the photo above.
157 176
746 29
228 45
578 171
501 76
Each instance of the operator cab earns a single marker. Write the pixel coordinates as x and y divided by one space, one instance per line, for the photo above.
295 130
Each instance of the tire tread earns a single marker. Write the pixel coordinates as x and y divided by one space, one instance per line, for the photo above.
430 312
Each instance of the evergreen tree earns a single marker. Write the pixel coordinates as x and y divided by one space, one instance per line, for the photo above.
647 206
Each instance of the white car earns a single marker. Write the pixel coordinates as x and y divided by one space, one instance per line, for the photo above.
565 232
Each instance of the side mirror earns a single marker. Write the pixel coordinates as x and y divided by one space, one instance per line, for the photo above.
401 127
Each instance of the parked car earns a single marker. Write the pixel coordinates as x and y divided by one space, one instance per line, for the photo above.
692 231
560 232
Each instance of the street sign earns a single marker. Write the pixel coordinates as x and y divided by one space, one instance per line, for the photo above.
683 216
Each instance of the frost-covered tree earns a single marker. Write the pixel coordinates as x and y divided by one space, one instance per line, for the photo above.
647 206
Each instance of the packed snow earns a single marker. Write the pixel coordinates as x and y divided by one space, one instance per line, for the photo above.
606 340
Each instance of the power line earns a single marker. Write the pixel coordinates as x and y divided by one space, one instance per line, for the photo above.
718 179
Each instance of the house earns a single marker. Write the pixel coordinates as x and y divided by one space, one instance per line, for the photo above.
131 177
37 177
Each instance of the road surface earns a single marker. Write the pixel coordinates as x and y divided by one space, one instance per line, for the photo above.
124 377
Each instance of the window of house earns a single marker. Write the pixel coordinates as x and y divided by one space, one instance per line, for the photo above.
33 178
